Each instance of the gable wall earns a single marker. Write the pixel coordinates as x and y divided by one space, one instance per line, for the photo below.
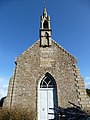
33 64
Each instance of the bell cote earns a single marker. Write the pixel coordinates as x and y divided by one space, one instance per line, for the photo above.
45 30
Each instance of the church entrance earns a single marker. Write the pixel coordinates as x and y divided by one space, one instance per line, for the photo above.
47 98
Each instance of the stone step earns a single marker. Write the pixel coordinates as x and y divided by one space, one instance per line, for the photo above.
83 103
82 96
84 99
88 106
81 81
82 93
80 85
82 90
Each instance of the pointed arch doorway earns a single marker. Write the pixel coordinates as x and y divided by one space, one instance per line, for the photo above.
47 98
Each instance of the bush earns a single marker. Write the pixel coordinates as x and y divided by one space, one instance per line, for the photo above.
88 92
2 101
4 114
17 114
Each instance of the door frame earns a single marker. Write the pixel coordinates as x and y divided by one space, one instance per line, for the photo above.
38 95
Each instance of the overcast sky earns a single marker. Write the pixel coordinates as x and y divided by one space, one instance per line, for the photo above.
19 29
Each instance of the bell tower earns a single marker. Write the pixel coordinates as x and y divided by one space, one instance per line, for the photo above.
45 30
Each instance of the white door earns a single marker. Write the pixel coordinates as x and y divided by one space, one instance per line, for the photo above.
47 98
46 104
50 103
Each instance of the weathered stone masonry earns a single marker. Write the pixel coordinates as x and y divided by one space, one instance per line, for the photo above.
33 64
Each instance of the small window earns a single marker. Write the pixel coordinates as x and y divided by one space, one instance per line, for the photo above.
47 82
45 24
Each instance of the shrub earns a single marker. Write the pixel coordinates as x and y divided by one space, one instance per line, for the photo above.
88 92
4 114
17 114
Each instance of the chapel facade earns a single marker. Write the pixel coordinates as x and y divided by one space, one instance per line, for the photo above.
46 76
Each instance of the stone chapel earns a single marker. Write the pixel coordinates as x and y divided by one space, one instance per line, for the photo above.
46 76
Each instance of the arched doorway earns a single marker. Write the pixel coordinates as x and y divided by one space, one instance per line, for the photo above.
47 98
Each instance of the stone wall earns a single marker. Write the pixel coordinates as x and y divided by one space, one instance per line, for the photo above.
33 64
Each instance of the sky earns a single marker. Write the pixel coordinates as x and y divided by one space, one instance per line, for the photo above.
19 29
